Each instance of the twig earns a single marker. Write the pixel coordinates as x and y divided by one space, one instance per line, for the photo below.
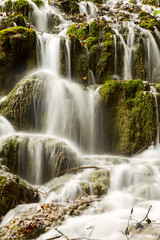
62 234
146 217
80 167
54 237
74 207
141 150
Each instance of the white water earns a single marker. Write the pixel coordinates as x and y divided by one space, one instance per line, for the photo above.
71 114
88 8
128 52
5 127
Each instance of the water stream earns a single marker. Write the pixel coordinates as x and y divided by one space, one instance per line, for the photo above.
74 116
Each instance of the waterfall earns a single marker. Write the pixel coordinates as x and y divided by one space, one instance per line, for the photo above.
88 8
73 132
49 49
5 127
127 56
154 92
40 157
68 50
115 54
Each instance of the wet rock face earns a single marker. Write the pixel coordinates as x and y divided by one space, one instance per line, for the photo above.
14 191
129 116
92 45
97 184
17 55
27 96
37 159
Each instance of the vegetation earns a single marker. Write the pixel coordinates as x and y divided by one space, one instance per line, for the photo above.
131 125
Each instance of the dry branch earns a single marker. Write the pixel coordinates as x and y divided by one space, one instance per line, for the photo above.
80 167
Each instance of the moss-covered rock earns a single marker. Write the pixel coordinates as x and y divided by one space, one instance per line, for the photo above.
23 101
14 191
17 55
98 183
22 154
98 38
67 6
151 2
9 153
130 121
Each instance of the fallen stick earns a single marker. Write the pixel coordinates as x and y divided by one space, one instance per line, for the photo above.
80 167
62 234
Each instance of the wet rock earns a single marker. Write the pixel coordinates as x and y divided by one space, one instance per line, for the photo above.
20 105
14 191
98 183
125 107
17 55
37 159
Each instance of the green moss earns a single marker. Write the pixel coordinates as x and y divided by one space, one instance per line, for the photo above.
90 41
14 191
9 154
94 29
8 195
83 31
148 21
98 183
21 6
18 108
8 6
22 30
39 3
72 30
83 67
132 112
150 2
68 6
139 61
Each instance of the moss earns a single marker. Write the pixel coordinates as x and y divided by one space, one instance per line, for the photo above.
9 154
94 29
83 67
17 46
21 6
14 30
68 6
8 195
8 6
98 37
80 31
150 2
20 104
72 30
14 191
83 31
39 3
131 123
98 183
139 61
97 1
148 21
90 41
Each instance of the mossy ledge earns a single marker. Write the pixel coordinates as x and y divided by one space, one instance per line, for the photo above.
129 116
98 38
21 103
13 191
17 55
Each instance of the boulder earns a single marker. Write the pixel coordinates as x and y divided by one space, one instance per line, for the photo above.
37 158
17 55
14 191
129 116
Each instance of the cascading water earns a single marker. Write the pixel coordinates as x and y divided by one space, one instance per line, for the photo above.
88 8
71 115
